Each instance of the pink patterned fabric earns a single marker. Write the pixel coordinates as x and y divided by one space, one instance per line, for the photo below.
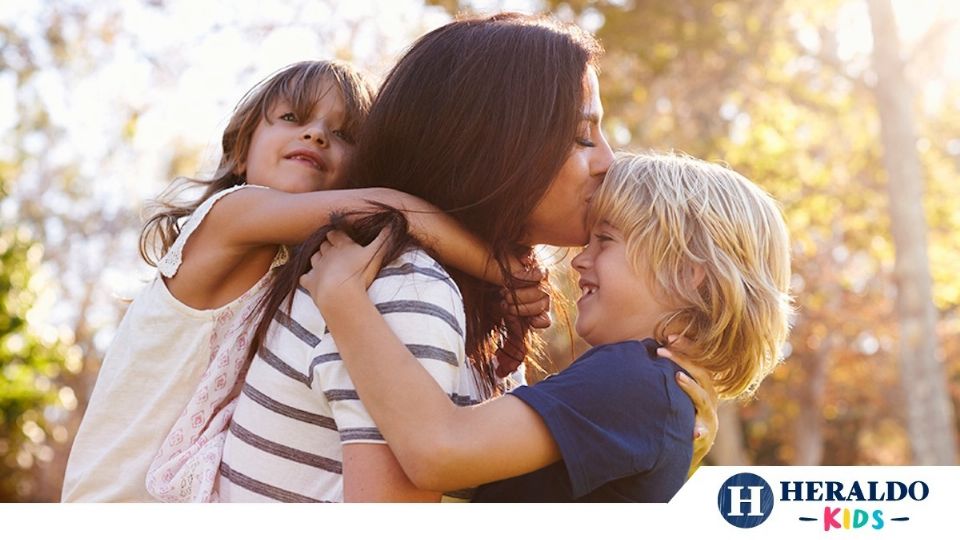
185 468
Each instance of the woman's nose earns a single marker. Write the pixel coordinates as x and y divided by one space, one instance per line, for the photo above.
603 159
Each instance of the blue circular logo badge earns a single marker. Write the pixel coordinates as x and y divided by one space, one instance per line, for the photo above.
745 500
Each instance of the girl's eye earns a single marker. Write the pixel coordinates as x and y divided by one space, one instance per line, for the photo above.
343 136
288 117
586 143
603 237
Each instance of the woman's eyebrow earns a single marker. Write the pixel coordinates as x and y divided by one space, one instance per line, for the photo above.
591 117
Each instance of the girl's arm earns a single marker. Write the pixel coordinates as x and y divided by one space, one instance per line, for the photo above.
251 218
439 445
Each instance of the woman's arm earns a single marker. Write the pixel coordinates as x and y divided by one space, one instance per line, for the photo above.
439 445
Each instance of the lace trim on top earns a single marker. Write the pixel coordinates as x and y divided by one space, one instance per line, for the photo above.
171 261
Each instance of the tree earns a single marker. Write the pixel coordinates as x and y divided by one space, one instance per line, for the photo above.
31 361
930 416
774 89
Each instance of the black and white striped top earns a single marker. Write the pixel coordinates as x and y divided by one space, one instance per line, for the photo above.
299 406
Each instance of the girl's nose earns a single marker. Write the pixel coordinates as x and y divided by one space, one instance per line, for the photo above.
315 134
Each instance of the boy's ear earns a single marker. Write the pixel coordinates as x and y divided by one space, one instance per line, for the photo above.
695 275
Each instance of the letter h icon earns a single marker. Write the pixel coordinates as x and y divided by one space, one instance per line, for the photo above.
736 502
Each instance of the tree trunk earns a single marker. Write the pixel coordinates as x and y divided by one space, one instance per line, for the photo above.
728 448
929 411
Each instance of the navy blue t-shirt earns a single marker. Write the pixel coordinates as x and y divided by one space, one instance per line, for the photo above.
623 425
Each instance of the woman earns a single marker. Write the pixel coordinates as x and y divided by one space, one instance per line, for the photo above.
495 121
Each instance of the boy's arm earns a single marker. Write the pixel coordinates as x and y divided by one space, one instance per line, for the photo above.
371 474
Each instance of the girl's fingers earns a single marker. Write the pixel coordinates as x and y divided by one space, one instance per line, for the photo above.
528 310
377 251
378 243
525 273
321 249
337 237
524 295
541 321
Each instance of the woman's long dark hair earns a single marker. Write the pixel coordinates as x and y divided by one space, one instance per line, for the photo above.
477 118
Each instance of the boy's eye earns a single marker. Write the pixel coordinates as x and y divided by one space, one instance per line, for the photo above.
602 237
288 117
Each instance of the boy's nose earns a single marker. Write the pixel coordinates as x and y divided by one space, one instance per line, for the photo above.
579 262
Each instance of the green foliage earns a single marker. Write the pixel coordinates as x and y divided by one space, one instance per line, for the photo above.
30 365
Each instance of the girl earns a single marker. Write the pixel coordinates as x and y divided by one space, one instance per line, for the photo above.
183 341
677 246
466 121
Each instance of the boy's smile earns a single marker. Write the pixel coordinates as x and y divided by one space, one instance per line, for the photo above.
616 303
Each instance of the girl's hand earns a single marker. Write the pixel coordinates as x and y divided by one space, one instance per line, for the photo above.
529 298
341 267
704 396
526 305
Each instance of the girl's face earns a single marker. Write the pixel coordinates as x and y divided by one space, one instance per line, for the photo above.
616 303
298 155
559 219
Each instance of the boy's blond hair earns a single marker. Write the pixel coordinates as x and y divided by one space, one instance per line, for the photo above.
690 218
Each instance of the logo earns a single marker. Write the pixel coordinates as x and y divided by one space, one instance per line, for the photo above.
745 500
837 515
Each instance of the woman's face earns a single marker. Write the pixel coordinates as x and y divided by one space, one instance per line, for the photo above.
559 219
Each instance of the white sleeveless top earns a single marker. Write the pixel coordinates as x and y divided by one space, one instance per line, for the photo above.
150 372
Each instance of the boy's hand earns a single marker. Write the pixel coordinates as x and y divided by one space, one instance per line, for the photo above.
703 394
342 267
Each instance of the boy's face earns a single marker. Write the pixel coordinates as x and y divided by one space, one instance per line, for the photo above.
616 303
298 155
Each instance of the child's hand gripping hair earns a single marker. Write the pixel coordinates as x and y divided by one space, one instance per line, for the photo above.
352 270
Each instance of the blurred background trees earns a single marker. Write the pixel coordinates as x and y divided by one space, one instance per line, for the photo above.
97 113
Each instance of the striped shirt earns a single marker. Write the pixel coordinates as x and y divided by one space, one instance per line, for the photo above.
299 406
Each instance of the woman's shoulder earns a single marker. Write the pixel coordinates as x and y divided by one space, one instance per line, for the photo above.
416 268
